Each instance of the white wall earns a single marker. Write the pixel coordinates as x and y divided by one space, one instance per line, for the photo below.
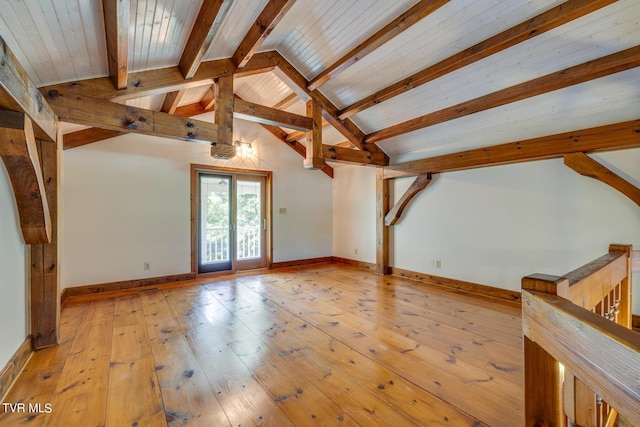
495 225
13 279
127 201
354 213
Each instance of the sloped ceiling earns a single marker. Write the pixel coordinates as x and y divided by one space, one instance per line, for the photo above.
64 40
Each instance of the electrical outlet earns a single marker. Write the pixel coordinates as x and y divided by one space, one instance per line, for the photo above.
436 263
283 210
147 266
355 251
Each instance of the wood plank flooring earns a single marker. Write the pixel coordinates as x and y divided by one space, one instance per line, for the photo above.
320 345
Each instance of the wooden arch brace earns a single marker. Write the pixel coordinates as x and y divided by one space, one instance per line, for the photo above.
586 166
20 156
418 185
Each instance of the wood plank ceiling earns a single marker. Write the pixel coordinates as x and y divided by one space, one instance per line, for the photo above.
403 80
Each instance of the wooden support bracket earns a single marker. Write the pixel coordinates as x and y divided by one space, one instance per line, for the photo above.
418 185
585 165
20 156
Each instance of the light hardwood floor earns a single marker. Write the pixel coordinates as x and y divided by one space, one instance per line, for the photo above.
322 345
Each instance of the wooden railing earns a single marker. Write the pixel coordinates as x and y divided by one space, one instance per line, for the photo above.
581 360
216 243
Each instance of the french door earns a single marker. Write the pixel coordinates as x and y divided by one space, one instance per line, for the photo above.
232 221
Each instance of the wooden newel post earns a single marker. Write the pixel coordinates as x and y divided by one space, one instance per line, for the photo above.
625 314
542 373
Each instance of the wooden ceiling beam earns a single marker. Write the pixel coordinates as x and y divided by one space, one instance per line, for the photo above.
116 28
191 110
281 135
299 84
123 118
298 135
585 165
337 153
87 136
349 155
243 110
260 29
391 30
546 21
208 100
603 138
161 81
286 102
19 154
610 64
205 29
344 144
296 146
146 83
171 101
19 93
246 110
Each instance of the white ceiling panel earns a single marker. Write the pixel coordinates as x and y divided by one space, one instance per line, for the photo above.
454 27
264 89
588 38
603 101
193 95
158 31
239 17
330 136
314 34
299 107
55 41
153 102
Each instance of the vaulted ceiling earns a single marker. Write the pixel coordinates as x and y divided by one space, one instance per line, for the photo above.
395 79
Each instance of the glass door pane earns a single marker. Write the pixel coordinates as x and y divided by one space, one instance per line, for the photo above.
251 222
215 226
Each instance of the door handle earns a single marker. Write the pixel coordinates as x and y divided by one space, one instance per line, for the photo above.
264 224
